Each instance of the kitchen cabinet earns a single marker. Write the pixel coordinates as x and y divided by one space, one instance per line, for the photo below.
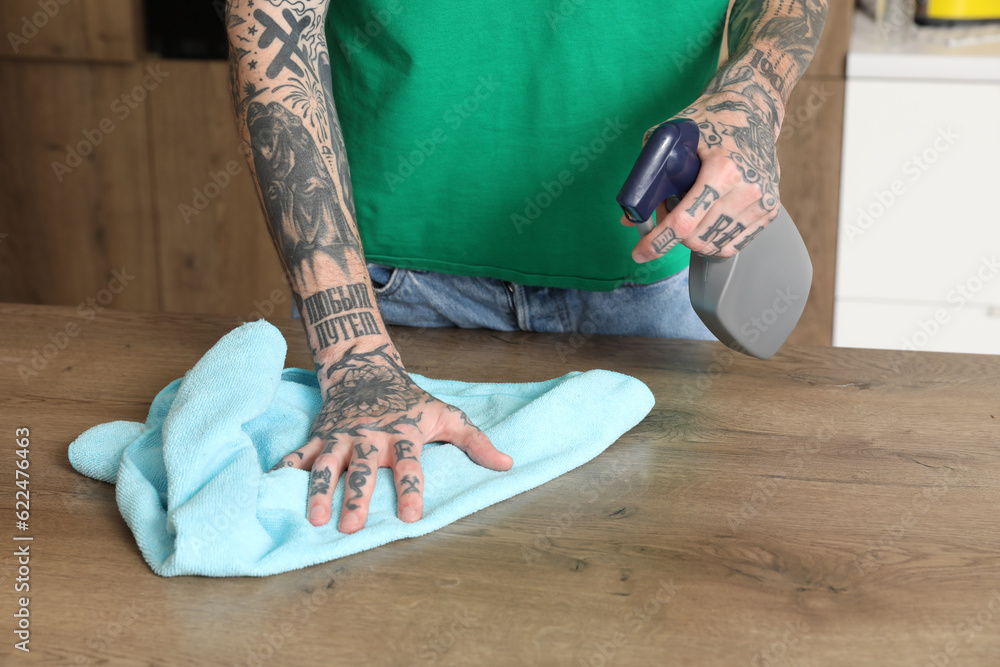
918 237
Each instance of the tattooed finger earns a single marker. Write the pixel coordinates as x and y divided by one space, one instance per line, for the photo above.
404 451
357 494
409 493
664 240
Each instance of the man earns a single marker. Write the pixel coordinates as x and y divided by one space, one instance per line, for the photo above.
487 143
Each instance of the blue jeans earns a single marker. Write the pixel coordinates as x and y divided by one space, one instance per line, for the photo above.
427 299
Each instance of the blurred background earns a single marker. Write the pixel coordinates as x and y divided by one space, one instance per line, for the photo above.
120 155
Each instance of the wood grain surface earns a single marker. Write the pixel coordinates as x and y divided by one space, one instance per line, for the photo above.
215 252
826 507
70 220
93 30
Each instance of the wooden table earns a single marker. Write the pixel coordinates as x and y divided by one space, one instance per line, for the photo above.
826 507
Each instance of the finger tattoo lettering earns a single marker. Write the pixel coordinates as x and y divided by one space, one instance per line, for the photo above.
356 481
320 482
359 451
404 450
664 240
704 201
722 231
742 244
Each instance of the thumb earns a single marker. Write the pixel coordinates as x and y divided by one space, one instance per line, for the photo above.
462 433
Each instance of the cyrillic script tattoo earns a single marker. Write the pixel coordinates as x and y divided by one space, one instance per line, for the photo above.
340 314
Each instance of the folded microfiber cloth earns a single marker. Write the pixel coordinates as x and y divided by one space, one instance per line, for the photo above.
192 482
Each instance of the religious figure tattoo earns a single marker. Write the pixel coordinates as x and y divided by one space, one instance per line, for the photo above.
282 89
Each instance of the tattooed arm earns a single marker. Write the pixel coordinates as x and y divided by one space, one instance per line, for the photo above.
372 414
771 42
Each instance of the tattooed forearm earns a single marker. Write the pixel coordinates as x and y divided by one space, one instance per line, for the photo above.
776 38
331 314
282 92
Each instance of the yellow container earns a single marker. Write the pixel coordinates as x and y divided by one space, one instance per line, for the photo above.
946 11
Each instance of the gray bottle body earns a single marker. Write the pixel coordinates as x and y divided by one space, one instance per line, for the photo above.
753 300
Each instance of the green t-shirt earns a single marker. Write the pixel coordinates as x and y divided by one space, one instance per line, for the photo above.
490 138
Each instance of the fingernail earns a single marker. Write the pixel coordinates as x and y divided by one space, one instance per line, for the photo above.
350 523
316 515
409 514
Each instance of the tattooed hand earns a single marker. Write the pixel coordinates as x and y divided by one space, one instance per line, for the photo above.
373 416
736 192
739 114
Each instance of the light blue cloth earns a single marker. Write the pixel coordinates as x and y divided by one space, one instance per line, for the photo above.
192 482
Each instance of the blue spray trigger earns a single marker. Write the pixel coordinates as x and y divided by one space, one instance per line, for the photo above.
667 167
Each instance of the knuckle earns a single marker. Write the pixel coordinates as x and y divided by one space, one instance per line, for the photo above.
325 460
729 173
683 223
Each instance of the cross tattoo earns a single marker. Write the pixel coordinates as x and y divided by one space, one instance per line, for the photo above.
290 41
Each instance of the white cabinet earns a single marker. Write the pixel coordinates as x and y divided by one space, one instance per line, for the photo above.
918 252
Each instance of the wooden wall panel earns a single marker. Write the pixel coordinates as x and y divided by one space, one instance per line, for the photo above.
809 151
215 252
65 238
103 30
